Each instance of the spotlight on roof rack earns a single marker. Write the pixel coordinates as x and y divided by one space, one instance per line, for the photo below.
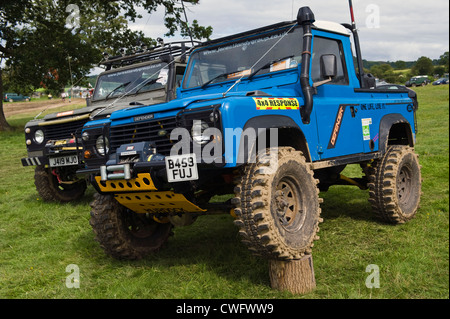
122 51
160 41
105 55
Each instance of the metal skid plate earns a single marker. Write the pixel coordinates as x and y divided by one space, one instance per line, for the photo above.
143 182
157 202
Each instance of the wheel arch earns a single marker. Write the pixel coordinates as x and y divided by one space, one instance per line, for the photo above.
395 130
289 134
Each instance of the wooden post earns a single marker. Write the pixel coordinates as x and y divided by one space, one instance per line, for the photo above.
295 276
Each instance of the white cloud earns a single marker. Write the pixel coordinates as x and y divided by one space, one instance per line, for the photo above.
407 29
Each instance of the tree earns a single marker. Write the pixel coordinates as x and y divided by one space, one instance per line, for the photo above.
443 60
423 66
400 65
439 70
381 70
52 43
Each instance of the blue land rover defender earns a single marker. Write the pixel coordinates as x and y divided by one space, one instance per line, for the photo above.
271 115
145 77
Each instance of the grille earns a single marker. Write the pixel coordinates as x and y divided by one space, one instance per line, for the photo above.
64 130
144 132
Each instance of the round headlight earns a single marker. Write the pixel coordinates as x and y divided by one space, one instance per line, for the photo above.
101 144
39 136
214 117
85 136
197 132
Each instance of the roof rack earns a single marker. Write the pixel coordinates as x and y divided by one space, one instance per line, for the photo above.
249 32
176 48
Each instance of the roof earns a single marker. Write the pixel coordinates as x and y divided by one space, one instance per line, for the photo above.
178 48
321 25
331 27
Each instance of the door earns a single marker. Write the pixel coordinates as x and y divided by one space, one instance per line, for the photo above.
338 120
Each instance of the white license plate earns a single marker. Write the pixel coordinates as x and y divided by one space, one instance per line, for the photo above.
63 160
181 168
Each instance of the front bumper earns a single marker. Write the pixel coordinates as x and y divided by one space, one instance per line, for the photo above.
34 161
140 194
54 149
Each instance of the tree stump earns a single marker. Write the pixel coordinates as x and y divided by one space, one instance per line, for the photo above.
295 276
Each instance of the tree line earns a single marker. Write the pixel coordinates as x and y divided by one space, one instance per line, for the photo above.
401 71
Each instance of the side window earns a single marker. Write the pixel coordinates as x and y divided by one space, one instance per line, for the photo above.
328 46
179 72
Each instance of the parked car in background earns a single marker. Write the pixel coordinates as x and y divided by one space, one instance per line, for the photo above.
420 80
14 97
441 81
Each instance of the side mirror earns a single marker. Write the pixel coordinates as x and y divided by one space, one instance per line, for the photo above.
328 68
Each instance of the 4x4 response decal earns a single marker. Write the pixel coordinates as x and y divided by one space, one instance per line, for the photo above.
271 103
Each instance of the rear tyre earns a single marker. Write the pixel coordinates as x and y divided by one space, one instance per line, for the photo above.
124 234
278 205
50 189
395 185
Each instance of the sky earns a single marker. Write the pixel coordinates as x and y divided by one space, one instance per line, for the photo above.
389 30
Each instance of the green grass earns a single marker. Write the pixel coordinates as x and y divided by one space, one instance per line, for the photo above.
38 240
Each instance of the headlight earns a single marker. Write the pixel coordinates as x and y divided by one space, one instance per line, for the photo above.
197 132
85 136
101 144
39 136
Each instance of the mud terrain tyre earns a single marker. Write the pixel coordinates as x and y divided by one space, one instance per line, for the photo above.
50 189
395 185
124 234
278 206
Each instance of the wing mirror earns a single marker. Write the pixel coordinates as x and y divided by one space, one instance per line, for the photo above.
328 68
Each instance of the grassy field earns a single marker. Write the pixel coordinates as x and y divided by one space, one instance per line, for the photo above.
38 240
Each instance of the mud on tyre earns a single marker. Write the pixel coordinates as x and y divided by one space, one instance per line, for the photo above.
395 185
124 234
50 189
278 205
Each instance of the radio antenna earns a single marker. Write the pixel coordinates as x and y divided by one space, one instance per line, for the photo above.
187 23
357 44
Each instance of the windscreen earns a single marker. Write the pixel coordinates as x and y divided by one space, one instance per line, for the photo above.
234 59
131 81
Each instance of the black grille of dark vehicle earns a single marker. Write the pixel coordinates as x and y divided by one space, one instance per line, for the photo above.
155 131
64 130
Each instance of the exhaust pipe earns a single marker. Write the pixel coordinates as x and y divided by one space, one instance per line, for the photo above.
305 18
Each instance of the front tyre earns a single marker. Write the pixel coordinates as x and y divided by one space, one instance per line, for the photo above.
277 205
124 234
51 189
395 185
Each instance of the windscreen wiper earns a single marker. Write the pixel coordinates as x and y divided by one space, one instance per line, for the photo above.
119 87
267 65
217 77
148 83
